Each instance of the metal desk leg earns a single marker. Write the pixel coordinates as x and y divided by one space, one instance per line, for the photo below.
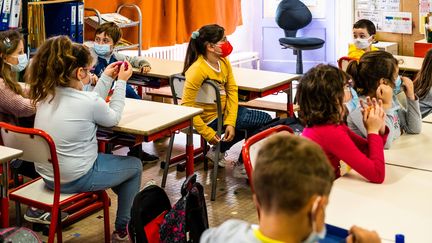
290 102
190 151
4 197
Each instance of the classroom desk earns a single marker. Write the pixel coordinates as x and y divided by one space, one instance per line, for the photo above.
408 63
148 120
412 150
427 119
6 155
401 205
161 68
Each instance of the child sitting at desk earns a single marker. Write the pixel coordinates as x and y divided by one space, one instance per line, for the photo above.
363 34
292 180
376 76
206 59
321 96
423 85
107 37
58 75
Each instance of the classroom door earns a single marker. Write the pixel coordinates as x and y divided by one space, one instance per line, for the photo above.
267 34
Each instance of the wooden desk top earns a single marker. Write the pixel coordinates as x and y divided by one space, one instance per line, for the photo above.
145 118
409 63
259 80
247 79
412 150
6 154
402 204
161 68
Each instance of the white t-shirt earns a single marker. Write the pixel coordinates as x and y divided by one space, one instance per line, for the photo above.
71 119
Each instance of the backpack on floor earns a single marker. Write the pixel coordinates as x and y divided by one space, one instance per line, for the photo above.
18 235
187 220
147 213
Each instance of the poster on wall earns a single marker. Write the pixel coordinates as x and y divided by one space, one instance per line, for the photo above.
378 5
374 16
424 9
397 22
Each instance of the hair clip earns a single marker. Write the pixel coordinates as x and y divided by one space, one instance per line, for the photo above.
195 35
7 42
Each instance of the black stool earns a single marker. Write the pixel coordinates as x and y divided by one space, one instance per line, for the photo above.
292 15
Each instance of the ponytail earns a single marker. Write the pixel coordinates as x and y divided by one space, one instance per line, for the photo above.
53 66
198 43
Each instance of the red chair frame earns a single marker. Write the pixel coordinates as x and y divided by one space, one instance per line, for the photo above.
254 139
71 203
345 58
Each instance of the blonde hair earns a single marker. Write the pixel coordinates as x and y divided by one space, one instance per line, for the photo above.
53 65
9 41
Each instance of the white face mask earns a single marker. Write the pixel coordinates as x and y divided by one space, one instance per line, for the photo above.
315 236
362 43
22 63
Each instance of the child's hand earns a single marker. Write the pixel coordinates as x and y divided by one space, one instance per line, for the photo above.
373 117
112 70
123 73
145 69
215 140
229 133
360 235
409 88
93 79
385 93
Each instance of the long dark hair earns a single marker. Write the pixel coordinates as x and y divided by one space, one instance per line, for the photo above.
320 95
372 66
423 80
9 41
197 45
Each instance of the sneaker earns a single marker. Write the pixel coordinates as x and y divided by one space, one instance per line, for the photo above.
40 216
143 156
119 236
239 171
211 155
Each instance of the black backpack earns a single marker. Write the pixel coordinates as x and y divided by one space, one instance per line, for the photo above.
147 213
187 220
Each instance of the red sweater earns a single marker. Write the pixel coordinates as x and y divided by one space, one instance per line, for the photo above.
366 156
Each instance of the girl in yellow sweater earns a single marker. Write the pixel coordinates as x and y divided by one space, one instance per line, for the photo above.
206 59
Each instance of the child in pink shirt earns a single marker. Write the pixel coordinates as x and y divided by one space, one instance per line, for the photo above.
322 94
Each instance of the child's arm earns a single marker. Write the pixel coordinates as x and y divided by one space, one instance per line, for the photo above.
109 115
411 118
14 103
194 80
369 164
103 86
231 89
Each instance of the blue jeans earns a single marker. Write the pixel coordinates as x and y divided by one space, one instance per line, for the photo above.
120 173
130 93
247 120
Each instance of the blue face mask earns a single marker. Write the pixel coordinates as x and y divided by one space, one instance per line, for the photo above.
354 102
315 236
398 85
102 50
22 63
85 87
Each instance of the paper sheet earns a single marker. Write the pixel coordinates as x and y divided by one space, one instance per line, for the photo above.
397 22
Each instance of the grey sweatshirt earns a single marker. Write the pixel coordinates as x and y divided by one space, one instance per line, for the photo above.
233 230
398 118
426 104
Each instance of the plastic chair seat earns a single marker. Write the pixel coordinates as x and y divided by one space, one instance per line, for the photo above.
37 191
302 43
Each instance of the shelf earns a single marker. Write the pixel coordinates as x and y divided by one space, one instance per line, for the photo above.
52 1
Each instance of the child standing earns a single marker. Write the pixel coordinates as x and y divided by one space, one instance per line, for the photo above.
107 37
423 85
376 75
363 34
291 208
58 74
321 99
206 59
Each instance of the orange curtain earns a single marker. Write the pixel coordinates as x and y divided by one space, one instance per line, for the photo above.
169 22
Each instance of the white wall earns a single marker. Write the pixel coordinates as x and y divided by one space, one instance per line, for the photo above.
344 22
242 38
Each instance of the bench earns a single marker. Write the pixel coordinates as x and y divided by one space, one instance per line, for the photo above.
278 107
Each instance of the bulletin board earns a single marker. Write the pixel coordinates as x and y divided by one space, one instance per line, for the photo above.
385 14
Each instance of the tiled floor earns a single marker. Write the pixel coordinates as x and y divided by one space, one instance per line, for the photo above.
234 198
